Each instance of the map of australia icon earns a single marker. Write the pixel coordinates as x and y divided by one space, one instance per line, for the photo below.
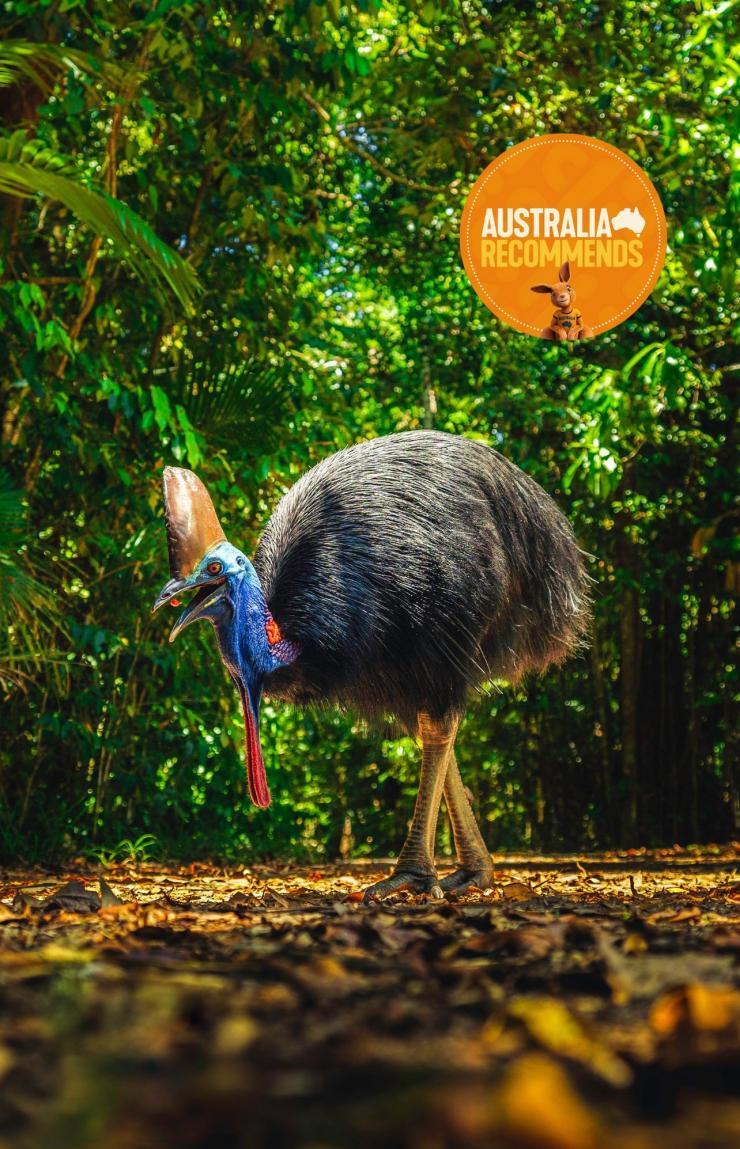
629 217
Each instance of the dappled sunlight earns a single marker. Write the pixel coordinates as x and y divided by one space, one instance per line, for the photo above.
570 1007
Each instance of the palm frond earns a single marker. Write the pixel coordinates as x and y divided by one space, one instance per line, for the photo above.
29 167
22 593
12 510
40 64
17 148
29 616
231 397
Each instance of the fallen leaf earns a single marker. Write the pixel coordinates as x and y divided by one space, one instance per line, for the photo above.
553 1026
107 897
240 899
58 953
644 976
234 1035
24 902
278 997
517 891
7 1060
539 1109
675 917
74 898
702 1007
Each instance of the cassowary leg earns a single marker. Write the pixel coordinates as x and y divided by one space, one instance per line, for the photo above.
476 868
415 866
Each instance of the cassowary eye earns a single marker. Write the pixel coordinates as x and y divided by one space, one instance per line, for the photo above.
215 567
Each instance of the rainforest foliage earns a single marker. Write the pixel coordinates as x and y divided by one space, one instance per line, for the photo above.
228 240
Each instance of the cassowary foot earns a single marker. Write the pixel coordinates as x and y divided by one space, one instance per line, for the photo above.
404 880
459 881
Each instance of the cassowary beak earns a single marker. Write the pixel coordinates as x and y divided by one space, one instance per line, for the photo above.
207 603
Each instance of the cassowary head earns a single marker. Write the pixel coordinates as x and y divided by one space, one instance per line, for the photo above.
229 596
561 293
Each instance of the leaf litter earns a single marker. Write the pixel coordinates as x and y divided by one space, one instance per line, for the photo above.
584 1003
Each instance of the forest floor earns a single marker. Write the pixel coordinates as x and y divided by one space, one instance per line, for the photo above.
585 1003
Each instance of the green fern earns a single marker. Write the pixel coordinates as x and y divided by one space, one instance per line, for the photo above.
29 167
230 398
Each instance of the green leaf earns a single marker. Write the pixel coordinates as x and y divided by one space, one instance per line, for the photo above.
162 409
23 61
29 168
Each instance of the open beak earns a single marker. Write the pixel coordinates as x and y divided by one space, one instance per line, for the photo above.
209 595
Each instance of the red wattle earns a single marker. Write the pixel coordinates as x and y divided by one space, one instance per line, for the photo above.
259 791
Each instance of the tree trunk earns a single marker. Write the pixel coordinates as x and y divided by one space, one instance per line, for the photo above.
630 643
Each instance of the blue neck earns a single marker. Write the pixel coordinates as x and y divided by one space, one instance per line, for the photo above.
243 635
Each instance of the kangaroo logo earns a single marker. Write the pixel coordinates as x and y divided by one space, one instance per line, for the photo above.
570 202
629 217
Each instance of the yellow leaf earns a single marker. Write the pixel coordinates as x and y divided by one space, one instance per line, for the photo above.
554 1027
328 967
634 944
58 952
702 1007
234 1034
539 1109
277 997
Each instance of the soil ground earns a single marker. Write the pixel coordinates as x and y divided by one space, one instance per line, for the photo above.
586 1002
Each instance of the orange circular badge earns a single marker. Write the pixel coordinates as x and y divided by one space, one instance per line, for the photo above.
563 237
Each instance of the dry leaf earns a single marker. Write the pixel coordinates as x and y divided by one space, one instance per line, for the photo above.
702 1007
675 916
450 1026
517 891
634 944
7 1060
539 1109
553 1026
107 897
234 1034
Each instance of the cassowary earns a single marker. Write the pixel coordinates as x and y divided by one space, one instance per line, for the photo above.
394 578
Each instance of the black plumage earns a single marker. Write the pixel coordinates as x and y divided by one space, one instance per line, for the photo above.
414 567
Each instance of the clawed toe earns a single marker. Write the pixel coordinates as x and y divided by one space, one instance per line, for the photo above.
403 880
455 883
461 880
